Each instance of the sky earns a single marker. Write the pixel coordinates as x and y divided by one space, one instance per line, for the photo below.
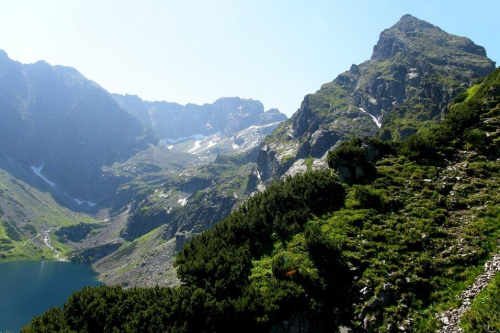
195 51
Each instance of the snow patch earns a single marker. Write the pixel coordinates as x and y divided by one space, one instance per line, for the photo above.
38 172
373 117
263 126
235 146
80 202
186 138
170 147
182 201
211 143
197 145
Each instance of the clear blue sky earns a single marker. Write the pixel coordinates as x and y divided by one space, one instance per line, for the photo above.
195 51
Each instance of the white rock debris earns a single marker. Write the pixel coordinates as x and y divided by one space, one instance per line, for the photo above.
451 319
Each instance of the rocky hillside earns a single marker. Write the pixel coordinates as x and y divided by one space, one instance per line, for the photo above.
65 128
415 71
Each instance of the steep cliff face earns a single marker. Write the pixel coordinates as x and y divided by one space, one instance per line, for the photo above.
64 127
415 71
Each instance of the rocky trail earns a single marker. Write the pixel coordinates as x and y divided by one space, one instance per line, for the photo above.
451 318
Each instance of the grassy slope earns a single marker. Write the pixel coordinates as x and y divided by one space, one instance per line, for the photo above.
25 213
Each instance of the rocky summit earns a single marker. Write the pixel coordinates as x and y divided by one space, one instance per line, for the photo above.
415 70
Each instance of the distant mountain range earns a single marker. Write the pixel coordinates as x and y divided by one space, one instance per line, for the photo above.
229 125
67 128
174 122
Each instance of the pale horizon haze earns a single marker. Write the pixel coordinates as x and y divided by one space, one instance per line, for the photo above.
197 51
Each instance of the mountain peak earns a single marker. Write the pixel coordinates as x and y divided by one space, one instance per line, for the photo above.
411 35
411 23
416 69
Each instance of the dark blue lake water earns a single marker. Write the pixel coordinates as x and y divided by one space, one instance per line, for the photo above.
29 288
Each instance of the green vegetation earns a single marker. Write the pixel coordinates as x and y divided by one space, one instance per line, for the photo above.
235 273
388 249
25 213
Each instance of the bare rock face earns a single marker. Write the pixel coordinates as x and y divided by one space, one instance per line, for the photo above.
181 238
274 159
321 141
405 79
175 121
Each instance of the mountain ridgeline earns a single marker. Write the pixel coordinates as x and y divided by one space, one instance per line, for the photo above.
172 121
56 120
416 69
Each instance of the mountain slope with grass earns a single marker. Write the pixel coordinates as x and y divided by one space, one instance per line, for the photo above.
415 70
381 243
29 219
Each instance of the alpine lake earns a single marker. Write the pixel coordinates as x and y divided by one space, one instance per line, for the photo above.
29 288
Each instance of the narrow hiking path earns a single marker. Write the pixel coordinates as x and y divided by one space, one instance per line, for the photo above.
451 318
